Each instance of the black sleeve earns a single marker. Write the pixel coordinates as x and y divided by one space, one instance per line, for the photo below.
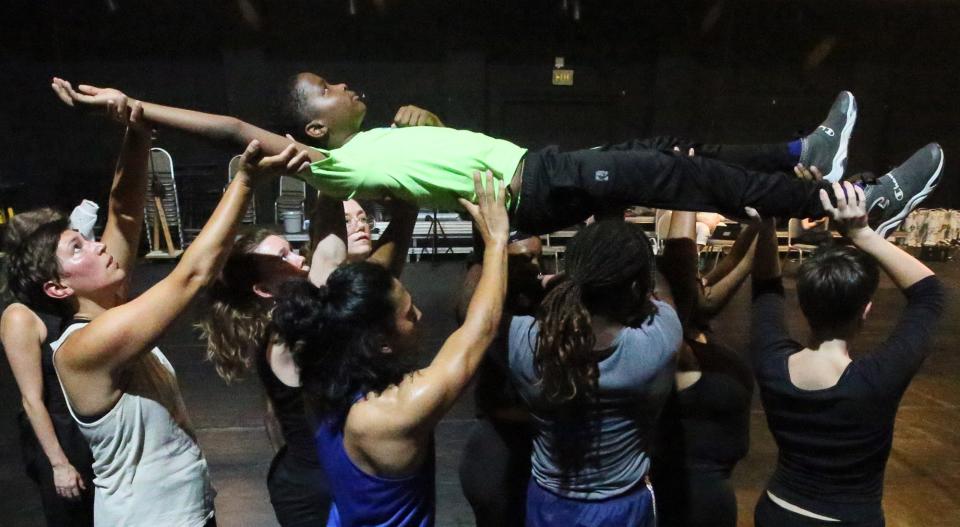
768 330
891 367
678 265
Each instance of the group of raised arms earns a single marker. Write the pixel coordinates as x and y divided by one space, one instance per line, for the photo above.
604 395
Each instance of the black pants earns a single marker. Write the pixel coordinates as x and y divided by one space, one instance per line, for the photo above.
563 188
299 491
58 511
494 471
769 514
696 499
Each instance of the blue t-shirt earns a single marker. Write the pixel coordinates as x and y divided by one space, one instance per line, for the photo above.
635 380
360 499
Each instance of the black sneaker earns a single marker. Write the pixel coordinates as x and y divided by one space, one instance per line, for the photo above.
900 191
826 147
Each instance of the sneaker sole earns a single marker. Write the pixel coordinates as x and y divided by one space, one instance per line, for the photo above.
932 183
840 158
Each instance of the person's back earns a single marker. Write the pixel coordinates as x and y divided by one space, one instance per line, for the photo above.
634 381
833 416
365 499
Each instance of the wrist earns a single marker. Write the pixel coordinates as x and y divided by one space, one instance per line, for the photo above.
861 234
60 463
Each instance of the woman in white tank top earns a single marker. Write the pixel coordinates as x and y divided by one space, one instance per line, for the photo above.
148 466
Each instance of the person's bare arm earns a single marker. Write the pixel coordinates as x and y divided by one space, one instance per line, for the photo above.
328 236
391 249
850 216
22 334
128 192
220 128
469 286
741 246
424 397
120 334
766 261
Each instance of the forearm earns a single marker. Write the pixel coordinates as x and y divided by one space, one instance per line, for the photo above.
127 197
219 128
42 426
741 246
206 255
391 249
328 237
486 306
904 270
766 262
717 295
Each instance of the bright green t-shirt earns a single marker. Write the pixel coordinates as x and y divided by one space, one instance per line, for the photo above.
425 165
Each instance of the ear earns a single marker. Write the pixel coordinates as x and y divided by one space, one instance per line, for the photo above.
57 291
866 310
316 130
262 291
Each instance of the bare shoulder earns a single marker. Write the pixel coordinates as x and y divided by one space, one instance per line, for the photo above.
18 317
378 414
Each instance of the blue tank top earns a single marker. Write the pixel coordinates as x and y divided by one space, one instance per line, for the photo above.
362 499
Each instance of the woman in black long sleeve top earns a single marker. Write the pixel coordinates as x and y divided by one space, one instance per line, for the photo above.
833 417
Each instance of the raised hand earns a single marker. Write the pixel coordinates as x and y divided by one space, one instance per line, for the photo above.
91 97
414 116
850 214
255 165
490 213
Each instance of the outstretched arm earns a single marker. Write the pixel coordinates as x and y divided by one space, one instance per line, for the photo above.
423 398
128 193
220 128
391 249
22 334
122 333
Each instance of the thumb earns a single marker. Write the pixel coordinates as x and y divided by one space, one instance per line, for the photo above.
87 89
253 153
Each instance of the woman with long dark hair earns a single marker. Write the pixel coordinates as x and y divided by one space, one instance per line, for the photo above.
240 336
595 367
351 339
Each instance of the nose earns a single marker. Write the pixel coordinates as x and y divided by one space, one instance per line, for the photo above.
299 261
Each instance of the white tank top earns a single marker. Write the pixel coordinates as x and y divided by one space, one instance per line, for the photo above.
148 469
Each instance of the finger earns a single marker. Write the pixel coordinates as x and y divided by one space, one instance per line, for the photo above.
477 186
471 209
81 484
304 166
252 153
817 174
136 113
825 202
798 171
422 119
290 137
676 149
122 105
298 161
848 189
489 197
401 118
61 93
690 152
839 194
861 196
87 89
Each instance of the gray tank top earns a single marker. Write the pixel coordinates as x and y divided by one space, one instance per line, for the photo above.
148 468
635 380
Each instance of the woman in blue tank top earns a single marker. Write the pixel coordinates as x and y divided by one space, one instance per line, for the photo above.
351 339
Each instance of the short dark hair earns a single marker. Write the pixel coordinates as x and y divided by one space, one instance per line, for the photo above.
336 333
31 244
295 111
834 286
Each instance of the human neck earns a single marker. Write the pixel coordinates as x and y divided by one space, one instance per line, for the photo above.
605 331
834 348
337 141
89 307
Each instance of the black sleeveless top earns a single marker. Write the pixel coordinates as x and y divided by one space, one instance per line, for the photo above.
72 443
290 410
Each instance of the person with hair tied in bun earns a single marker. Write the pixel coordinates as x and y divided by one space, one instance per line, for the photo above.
595 367
352 341
240 336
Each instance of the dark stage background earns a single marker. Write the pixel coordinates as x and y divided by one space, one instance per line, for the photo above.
721 70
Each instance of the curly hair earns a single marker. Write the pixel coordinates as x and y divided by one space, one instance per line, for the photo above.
337 333
609 272
236 322
30 241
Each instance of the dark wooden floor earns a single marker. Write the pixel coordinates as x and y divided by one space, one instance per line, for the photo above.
923 475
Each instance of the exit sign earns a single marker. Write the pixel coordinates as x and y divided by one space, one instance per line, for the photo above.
562 77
